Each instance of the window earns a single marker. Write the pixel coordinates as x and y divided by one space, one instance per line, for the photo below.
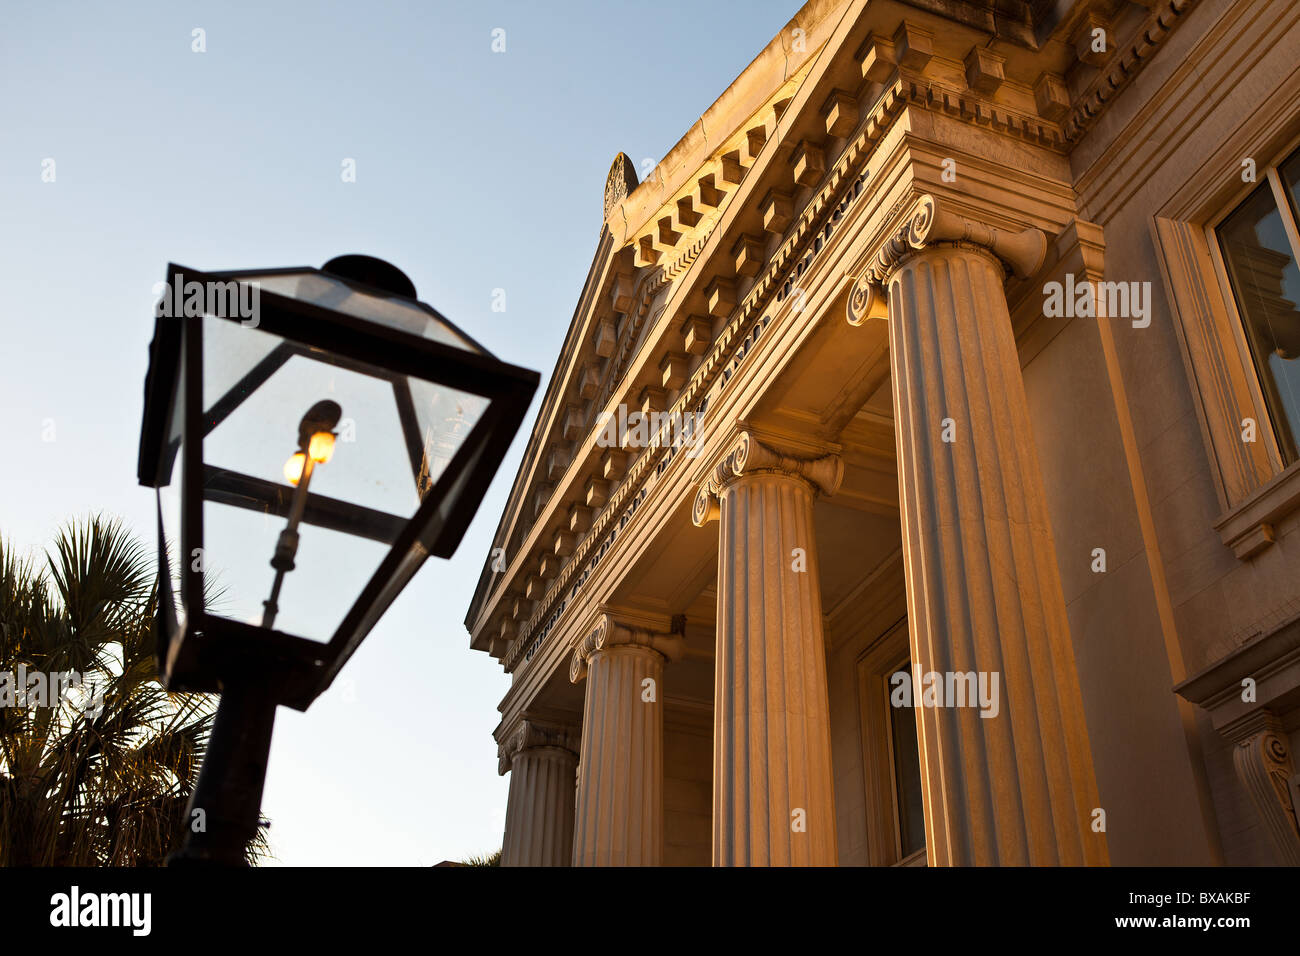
909 812
891 757
1260 245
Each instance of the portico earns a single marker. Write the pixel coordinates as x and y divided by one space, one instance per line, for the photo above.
703 625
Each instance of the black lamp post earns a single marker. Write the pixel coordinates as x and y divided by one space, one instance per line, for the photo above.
343 369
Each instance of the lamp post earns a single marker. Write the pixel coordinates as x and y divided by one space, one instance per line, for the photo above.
234 359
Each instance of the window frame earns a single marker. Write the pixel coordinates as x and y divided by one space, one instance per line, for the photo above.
1288 213
1255 488
884 656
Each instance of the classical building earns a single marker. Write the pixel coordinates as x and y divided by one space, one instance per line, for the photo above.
918 482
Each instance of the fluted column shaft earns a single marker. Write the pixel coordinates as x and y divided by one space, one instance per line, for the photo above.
539 810
773 802
984 590
540 758
620 775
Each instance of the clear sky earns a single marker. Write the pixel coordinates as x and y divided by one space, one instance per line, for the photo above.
475 171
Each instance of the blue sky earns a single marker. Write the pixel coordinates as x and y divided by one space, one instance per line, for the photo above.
475 171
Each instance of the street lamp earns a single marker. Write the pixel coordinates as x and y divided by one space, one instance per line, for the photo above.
346 371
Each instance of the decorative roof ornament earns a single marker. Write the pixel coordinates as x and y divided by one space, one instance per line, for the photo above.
620 182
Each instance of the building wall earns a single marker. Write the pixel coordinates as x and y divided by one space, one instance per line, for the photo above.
1170 791
1239 54
1147 781
846 747
688 796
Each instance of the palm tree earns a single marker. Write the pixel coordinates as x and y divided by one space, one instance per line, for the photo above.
488 859
99 775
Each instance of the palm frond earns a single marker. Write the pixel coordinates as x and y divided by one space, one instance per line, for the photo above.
101 775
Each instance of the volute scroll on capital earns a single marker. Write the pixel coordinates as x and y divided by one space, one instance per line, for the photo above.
930 222
609 632
531 734
748 455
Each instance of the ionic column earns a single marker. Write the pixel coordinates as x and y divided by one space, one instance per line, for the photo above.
620 807
1263 762
773 802
539 811
983 586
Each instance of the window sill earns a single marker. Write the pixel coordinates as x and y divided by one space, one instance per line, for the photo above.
1249 527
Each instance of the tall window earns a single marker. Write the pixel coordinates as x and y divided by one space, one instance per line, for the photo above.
1260 243
891 759
909 810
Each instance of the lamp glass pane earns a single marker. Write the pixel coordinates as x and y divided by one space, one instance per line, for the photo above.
357 501
240 355
445 417
405 315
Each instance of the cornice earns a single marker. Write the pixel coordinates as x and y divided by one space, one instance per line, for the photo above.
1179 124
1120 70
1268 655
492 584
648 286
788 56
980 110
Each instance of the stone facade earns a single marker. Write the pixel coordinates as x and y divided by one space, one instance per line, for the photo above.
908 445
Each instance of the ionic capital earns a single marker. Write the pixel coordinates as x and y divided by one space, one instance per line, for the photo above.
747 456
930 222
609 632
530 734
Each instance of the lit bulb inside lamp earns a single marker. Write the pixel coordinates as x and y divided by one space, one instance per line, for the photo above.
294 466
321 447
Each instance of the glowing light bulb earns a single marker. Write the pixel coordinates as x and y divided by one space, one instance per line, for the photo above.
321 447
294 466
